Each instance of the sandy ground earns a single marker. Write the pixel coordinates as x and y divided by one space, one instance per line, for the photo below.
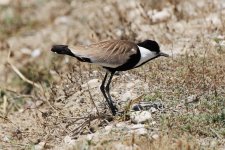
54 102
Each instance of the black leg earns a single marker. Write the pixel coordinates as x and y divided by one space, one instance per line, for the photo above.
113 109
102 88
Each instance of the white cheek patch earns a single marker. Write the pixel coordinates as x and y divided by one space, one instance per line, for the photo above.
145 55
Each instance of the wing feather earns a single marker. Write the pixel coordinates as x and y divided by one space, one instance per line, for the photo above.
112 53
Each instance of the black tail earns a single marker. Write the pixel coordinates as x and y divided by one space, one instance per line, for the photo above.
60 49
63 49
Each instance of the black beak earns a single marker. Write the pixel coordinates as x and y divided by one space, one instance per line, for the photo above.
163 54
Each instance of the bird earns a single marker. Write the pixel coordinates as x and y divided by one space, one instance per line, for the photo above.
114 56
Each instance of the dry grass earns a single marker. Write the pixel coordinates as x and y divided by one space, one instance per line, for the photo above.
190 85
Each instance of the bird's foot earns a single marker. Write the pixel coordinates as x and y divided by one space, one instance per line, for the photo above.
114 109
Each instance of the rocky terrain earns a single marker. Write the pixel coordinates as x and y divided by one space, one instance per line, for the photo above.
48 101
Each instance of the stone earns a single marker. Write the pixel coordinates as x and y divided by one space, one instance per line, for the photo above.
40 146
62 20
93 83
4 2
68 140
26 51
120 146
90 137
141 131
137 126
126 96
36 53
153 110
160 16
140 116
121 125
155 136
192 98
108 128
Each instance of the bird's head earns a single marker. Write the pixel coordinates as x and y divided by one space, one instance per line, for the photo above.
153 46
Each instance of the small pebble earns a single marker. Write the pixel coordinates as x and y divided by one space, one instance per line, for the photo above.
90 137
140 116
68 140
153 110
121 124
137 126
108 128
155 136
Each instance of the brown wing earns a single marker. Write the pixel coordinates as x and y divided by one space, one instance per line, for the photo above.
112 53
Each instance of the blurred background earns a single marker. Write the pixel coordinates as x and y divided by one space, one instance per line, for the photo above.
31 77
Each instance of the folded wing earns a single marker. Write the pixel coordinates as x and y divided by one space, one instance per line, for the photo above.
113 53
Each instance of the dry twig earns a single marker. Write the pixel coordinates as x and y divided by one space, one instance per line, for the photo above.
16 70
92 100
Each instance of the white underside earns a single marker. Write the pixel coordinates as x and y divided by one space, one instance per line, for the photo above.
145 55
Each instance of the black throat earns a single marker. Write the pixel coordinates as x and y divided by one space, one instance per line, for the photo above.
147 61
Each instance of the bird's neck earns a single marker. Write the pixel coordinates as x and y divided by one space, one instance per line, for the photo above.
145 56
